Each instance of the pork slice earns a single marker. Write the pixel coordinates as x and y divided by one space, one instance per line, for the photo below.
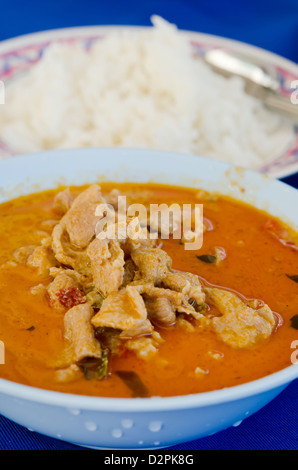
65 254
80 220
239 325
41 260
80 333
161 310
149 290
144 347
124 310
129 272
130 245
177 300
153 264
187 283
107 265
62 201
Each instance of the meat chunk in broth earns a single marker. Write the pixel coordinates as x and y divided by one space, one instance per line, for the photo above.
41 259
107 265
161 311
63 201
80 220
124 310
80 334
239 325
187 283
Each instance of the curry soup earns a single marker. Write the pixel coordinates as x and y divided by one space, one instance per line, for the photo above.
163 334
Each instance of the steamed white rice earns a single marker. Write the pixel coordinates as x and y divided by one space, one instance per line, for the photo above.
139 89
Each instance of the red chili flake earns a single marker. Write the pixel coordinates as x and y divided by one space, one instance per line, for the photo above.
70 297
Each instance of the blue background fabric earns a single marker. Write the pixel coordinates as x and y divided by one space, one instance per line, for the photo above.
272 25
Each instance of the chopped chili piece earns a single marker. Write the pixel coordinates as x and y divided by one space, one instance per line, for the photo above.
70 297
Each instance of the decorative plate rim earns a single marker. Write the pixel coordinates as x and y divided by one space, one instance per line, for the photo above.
272 169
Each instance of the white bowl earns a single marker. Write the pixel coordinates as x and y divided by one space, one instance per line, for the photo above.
18 55
149 422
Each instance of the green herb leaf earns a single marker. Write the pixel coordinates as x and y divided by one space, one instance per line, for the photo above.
294 277
95 298
201 308
90 290
294 322
198 307
103 367
133 381
31 328
95 368
207 258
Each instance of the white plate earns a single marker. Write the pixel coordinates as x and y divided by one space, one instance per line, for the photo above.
19 54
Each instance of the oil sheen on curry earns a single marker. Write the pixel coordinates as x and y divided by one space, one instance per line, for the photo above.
143 317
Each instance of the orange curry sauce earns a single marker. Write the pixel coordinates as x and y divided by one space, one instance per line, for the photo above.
256 266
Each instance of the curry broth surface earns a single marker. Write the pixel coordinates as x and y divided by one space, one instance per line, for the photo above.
256 266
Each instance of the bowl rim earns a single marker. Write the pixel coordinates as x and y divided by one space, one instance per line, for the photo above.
75 401
74 32
71 401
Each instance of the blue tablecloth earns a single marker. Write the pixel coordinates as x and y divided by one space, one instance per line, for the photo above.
271 25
